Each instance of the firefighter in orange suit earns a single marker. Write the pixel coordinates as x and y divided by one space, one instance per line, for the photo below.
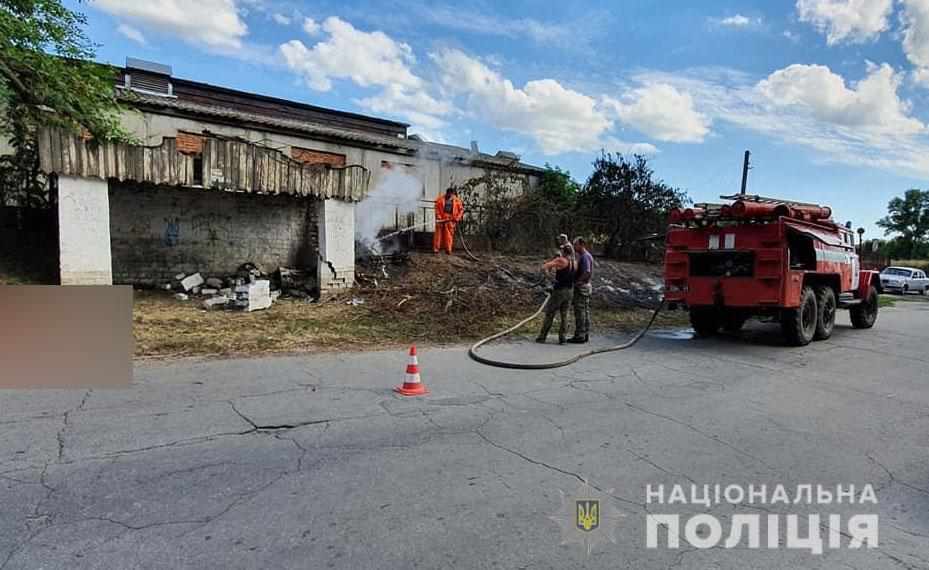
448 212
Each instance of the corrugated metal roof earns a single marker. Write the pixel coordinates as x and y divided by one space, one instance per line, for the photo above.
404 146
227 164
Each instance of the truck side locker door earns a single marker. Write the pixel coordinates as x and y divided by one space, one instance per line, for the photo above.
856 271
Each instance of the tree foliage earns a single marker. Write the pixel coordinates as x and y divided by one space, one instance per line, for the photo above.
630 199
908 218
47 72
621 203
509 214
48 78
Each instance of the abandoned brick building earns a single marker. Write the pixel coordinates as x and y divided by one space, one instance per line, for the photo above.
221 177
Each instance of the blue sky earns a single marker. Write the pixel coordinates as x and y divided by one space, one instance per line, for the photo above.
831 96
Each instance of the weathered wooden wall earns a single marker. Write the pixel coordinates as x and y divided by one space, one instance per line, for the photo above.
228 164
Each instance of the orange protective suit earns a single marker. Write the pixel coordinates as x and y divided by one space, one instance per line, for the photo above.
445 223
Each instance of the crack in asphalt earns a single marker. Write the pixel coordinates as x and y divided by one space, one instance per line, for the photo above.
283 431
706 435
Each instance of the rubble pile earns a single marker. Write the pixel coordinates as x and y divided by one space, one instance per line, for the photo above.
250 289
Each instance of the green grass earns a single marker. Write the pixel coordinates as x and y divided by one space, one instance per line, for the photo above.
886 301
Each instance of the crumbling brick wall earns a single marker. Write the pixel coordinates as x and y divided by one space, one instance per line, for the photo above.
157 232
309 156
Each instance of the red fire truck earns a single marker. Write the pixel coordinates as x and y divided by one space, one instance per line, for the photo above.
765 257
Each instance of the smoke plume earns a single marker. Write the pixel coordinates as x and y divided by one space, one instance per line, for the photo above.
395 191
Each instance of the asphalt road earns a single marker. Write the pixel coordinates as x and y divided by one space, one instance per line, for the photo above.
312 462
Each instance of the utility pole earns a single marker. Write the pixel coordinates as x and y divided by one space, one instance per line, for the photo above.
745 166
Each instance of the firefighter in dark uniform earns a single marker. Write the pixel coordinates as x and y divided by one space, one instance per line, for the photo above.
562 291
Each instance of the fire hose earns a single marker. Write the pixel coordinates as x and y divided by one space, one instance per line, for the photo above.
472 351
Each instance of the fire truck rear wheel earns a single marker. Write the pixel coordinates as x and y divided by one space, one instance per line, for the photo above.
864 315
704 320
826 303
799 325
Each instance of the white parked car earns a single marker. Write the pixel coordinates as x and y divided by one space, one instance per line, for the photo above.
904 280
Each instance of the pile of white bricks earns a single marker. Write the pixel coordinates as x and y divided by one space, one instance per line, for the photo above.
253 295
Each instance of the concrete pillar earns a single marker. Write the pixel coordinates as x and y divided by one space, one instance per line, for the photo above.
84 231
336 219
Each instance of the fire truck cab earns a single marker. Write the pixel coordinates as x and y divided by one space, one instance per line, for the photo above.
765 257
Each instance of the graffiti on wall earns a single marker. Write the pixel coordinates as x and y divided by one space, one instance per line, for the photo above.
212 226
172 232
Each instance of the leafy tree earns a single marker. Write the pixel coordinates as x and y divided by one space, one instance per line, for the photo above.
488 202
629 199
908 217
48 78
512 215
556 189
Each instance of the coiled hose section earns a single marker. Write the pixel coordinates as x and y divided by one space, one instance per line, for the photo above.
472 352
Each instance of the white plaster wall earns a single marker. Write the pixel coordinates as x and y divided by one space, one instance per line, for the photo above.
84 231
336 219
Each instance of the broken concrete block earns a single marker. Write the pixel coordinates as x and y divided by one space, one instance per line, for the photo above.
191 281
226 292
214 283
179 277
166 286
195 290
215 303
181 296
208 291
275 295
254 296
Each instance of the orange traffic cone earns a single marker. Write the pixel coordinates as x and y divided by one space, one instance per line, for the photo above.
413 384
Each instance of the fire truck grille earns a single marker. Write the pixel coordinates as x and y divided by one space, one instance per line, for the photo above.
722 264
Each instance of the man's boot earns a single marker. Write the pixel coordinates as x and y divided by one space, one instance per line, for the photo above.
578 339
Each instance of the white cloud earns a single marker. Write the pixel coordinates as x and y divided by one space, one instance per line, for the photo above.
823 123
662 112
854 21
367 58
915 19
871 104
131 33
418 107
737 21
311 26
475 22
558 119
281 19
613 144
213 23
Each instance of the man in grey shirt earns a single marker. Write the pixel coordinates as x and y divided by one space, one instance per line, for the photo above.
582 290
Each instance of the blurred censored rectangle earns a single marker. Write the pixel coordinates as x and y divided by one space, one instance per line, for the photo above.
65 337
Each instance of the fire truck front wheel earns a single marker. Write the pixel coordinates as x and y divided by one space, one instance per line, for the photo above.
799 325
704 320
865 314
